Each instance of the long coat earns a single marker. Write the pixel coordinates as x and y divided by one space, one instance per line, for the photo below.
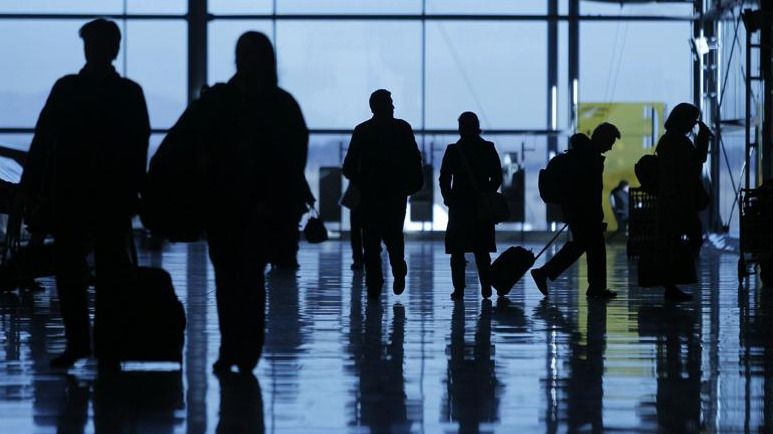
87 158
680 166
465 232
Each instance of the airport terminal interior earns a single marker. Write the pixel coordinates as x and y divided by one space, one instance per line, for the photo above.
338 361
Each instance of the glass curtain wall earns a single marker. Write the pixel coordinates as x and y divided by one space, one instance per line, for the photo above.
438 57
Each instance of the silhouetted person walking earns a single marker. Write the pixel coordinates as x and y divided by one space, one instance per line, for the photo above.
384 163
581 206
620 199
253 133
680 197
83 175
470 166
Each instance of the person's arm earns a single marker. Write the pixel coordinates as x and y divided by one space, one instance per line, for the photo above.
702 141
415 163
446 177
39 153
353 160
141 130
495 174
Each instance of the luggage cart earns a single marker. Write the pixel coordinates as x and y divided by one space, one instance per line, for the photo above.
642 215
756 232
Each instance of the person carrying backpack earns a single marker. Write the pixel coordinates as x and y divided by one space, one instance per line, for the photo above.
577 187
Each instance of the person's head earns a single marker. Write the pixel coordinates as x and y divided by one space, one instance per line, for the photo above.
579 142
101 41
255 59
604 136
469 125
622 185
682 118
381 103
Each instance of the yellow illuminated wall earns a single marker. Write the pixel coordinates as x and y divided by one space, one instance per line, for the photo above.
640 125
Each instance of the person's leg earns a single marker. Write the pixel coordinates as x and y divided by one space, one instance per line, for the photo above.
568 255
71 268
394 239
458 264
596 257
222 255
112 269
355 218
240 294
374 278
483 262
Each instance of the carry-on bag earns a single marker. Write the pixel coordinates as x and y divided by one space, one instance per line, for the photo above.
148 321
513 263
315 231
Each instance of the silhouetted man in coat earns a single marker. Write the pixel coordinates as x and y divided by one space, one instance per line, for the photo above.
83 175
582 210
384 163
254 139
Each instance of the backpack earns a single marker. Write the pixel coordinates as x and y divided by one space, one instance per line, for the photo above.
647 171
552 182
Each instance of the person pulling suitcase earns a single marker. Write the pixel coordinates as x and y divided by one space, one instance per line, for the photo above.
580 184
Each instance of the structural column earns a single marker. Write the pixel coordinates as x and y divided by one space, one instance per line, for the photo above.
197 47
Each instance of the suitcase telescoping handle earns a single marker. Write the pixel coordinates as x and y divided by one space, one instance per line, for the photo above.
555 237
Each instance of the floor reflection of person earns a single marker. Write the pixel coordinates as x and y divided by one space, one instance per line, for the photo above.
471 382
138 402
678 365
380 400
241 405
583 388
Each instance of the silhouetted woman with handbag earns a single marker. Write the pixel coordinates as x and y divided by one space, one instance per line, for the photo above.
470 167
680 198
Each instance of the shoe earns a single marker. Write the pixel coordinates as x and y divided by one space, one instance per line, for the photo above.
398 286
485 291
458 294
601 293
357 266
541 279
68 358
675 294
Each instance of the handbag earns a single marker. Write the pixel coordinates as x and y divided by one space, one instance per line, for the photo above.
491 205
315 231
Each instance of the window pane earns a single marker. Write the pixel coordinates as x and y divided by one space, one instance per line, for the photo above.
19 142
157 59
656 9
240 6
156 6
487 7
332 68
222 44
35 54
349 6
506 90
635 62
59 6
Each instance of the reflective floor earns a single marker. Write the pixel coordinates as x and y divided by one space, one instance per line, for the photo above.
335 362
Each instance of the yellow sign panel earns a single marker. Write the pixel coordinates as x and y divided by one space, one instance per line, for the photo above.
640 125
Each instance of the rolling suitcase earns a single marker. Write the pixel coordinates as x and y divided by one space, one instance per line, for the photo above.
512 264
148 323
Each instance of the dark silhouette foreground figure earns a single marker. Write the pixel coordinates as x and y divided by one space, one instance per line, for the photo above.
82 180
384 163
620 199
253 132
476 157
582 210
680 197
